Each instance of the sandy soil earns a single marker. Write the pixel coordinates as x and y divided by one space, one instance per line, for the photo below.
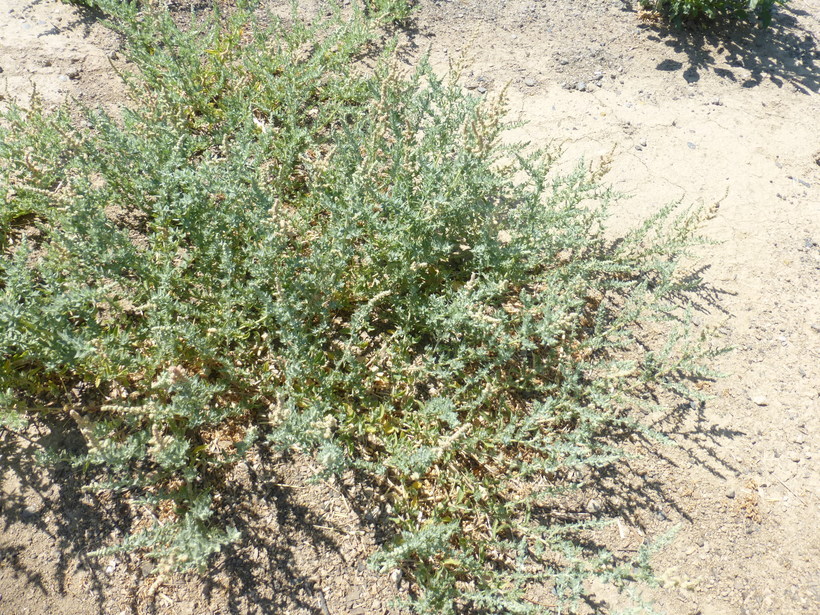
691 117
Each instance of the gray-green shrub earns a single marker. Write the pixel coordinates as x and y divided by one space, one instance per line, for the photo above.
271 247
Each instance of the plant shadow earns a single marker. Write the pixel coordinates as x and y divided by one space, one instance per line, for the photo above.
49 518
743 53
301 541
303 547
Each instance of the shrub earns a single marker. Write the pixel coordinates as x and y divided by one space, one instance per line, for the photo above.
712 10
271 247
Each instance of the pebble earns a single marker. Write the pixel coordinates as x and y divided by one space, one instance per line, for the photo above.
691 145
730 493
760 400
529 82
593 506
481 89
581 86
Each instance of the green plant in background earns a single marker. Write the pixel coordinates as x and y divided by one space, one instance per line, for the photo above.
391 11
712 10
268 247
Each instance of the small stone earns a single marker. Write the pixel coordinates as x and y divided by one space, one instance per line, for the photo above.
816 327
581 86
760 400
643 143
795 456
593 506
481 90
529 82
691 145
730 493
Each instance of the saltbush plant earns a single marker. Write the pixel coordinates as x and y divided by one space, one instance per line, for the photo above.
271 245
714 10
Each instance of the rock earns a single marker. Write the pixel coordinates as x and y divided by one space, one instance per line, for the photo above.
760 400
529 82
581 86
691 145
481 89
730 493
593 506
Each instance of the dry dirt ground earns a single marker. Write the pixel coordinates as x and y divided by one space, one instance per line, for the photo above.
696 117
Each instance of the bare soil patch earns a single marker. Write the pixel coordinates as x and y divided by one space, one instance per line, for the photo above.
689 116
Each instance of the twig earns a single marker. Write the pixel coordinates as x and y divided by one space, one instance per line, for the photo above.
802 501
322 602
